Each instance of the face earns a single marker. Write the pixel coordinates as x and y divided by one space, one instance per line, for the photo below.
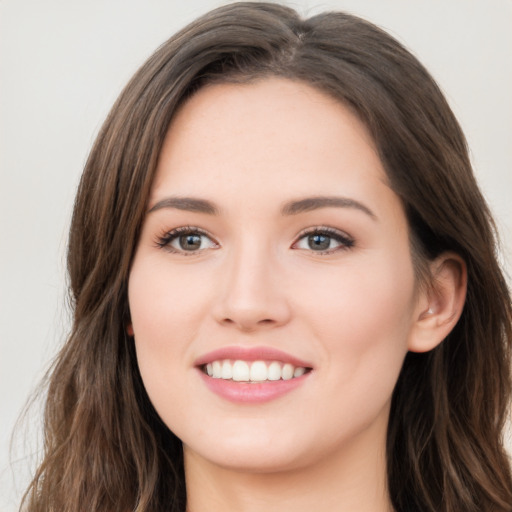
272 294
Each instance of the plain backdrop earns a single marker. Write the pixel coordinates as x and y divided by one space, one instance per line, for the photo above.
63 63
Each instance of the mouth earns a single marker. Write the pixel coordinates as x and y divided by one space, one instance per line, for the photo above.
240 370
246 375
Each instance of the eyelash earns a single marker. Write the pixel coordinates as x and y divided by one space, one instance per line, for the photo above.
164 241
346 242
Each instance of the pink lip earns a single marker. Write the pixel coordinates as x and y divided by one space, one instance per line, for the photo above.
245 392
250 354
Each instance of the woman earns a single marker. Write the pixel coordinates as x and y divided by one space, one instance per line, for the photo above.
285 286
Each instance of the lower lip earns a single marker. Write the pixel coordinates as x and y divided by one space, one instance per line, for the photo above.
247 392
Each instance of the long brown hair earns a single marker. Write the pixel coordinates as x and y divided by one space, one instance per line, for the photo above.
106 448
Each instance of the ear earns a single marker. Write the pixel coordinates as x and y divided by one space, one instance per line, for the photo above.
440 304
129 329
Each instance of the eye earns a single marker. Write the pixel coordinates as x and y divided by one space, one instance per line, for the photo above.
186 240
323 240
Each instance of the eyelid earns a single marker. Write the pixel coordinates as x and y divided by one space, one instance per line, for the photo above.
342 237
163 241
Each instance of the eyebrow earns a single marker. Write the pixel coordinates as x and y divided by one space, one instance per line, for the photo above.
190 204
314 203
294 207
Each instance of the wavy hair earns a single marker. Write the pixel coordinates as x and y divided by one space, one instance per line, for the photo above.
106 449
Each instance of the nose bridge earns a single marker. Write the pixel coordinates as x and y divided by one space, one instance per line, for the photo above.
252 295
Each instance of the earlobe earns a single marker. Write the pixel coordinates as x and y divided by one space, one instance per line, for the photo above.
129 329
440 305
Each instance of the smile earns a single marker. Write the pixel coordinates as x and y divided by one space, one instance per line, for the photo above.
253 371
246 375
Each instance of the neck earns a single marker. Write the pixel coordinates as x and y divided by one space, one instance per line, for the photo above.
352 480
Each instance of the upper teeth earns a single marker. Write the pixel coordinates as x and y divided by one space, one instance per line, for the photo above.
256 371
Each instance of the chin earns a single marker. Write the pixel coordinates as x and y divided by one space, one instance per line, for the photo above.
252 452
253 459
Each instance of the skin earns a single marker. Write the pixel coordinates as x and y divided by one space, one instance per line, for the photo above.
352 311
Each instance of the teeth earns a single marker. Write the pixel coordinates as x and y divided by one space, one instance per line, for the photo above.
299 371
288 370
274 371
227 370
240 370
217 369
257 371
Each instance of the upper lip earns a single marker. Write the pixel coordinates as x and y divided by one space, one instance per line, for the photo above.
250 354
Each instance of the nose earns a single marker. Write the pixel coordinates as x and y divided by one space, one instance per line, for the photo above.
252 295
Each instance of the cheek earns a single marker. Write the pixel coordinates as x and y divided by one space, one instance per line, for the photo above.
361 327
362 314
163 310
374 292
164 304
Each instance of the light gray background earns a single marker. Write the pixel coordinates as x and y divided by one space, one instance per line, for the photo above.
63 63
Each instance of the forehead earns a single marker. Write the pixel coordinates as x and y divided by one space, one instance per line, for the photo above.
268 138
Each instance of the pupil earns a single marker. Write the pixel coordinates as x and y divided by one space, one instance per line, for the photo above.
319 242
190 242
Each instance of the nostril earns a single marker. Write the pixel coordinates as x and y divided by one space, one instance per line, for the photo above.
248 324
